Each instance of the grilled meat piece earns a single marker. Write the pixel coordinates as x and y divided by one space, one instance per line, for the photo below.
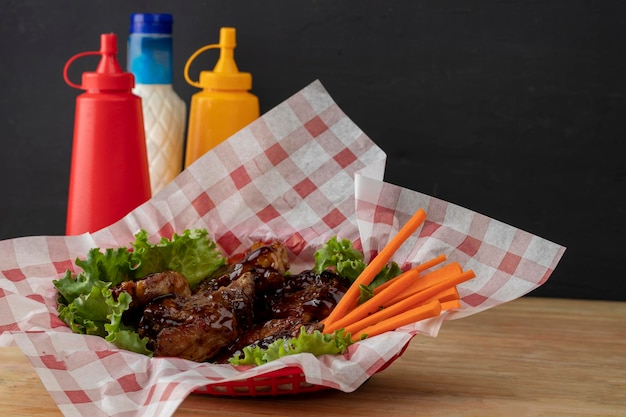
197 327
268 263
265 333
147 289
308 296
153 286
304 300
251 301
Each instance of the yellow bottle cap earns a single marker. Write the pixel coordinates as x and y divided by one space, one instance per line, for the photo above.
225 75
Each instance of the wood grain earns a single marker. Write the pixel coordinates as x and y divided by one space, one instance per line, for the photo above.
529 357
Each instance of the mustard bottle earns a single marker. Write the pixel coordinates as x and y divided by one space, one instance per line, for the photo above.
224 106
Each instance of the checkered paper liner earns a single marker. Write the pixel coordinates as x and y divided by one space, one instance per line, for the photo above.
301 173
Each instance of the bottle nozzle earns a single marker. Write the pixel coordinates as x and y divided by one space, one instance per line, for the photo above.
108 43
228 38
226 63
108 49
109 75
225 75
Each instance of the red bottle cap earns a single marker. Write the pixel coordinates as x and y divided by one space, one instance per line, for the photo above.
109 75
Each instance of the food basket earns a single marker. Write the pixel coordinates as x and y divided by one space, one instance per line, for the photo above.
286 381
301 173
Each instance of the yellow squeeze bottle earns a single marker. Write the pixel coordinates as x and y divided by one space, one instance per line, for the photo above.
224 106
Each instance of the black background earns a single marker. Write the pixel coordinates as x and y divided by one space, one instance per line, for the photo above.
510 108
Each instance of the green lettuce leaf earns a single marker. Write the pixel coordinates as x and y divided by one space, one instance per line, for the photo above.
85 300
192 254
87 313
122 336
339 255
112 266
316 343
347 262
390 271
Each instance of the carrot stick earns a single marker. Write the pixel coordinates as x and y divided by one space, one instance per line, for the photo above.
422 312
419 268
430 263
446 295
448 305
429 280
376 265
423 296
400 283
409 302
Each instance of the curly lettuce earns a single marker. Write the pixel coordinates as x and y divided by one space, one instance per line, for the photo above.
316 343
85 300
347 262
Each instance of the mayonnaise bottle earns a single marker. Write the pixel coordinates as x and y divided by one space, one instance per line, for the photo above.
150 60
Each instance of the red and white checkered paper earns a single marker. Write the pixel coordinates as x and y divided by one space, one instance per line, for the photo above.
301 173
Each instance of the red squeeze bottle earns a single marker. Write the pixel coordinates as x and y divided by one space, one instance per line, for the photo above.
109 174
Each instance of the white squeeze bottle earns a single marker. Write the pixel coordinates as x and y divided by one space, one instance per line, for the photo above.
164 112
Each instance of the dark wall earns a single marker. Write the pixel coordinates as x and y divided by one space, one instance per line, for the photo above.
511 108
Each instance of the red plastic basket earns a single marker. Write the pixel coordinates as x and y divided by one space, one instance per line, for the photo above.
286 381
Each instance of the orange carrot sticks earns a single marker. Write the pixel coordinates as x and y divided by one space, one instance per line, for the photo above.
409 302
425 311
419 268
448 305
429 280
422 312
399 285
446 295
434 290
376 265
412 296
430 263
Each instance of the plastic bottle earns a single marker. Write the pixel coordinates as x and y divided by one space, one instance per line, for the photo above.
164 112
109 170
224 106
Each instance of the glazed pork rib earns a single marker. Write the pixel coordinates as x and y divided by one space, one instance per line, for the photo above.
153 286
252 301
268 262
199 326
304 300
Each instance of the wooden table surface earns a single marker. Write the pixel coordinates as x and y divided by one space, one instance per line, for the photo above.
529 357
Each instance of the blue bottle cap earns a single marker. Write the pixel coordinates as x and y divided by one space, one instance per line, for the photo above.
150 48
151 23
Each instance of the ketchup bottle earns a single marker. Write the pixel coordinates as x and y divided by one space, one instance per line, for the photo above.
224 106
109 174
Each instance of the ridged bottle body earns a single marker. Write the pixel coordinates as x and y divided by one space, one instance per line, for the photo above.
164 114
150 59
